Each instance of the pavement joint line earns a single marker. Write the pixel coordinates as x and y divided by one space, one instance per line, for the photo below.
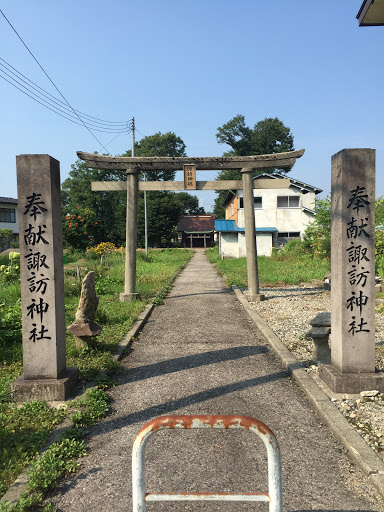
358 450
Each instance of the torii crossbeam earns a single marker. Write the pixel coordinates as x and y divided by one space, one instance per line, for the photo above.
133 166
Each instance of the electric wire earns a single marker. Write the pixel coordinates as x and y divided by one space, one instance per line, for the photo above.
82 122
110 142
55 111
43 102
140 132
114 124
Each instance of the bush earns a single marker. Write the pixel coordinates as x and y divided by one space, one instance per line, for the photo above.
317 237
379 265
379 243
294 248
78 228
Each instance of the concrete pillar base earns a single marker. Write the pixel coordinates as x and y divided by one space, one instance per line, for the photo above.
129 297
350 382
49 390
258 297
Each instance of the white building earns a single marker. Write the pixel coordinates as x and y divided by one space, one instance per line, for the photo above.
281 215
8 215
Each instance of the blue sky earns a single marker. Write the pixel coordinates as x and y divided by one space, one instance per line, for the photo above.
189 67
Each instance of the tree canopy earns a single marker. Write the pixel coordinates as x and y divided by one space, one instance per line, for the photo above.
108 209
266 137
159 144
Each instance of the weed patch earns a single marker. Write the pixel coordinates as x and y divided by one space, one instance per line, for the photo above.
280 269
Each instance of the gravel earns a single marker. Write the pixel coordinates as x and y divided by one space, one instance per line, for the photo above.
288 311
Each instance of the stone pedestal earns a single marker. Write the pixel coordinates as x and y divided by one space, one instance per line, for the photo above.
319 333
42 279
350 382
50 390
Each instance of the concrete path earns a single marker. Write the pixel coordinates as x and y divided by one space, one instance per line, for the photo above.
199 354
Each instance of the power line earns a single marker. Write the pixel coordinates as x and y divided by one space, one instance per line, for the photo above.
114 124
140 133
29 51
110 142
52 109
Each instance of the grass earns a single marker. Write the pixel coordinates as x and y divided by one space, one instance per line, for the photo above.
61 458
278 270
23 430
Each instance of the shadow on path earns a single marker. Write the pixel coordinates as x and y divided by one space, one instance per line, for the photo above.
193 361
145 415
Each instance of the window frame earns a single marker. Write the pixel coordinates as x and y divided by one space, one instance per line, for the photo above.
12 215
289 198
241 203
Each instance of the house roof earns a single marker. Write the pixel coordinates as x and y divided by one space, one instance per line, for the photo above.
197 223
371 13
9 200
304 187
231 226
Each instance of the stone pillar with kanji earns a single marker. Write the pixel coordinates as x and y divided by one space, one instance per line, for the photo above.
45 376
352 367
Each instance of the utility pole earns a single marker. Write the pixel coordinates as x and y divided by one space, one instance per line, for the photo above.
133 136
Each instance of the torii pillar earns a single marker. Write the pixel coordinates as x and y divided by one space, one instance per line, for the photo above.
250 237
131 237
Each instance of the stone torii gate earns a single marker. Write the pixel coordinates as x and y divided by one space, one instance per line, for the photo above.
133 166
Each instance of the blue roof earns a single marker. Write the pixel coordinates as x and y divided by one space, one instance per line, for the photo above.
231 226
227 225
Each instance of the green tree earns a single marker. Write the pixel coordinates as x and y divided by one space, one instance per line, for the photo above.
109 207
379 211
189 204
267 137
159 144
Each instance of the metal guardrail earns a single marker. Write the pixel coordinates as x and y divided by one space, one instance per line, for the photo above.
139 494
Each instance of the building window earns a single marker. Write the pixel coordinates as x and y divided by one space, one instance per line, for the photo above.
7 215
257 203
283 236
288 202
